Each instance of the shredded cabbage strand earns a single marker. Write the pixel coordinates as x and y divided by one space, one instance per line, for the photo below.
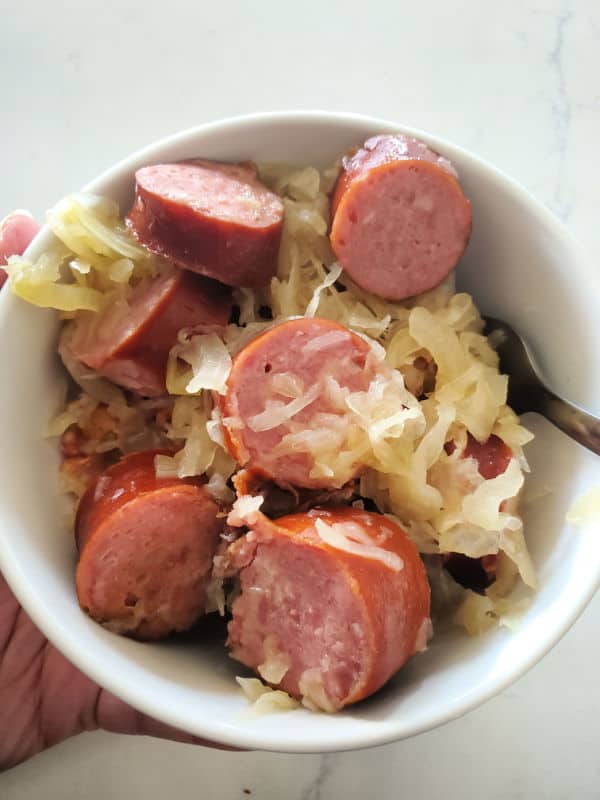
92 255
209 364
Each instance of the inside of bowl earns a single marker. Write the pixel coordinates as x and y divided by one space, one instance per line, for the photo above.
521 267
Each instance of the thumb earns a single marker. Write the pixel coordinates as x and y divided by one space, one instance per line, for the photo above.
16 232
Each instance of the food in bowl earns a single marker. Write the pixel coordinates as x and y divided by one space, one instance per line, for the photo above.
254 432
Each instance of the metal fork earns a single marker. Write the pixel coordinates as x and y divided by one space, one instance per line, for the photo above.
527 391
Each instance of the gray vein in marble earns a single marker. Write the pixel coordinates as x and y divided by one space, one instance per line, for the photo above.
314 791
562 204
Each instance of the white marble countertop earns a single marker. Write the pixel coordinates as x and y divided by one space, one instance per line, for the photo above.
84 83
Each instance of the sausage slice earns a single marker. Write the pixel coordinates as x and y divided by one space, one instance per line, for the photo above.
493 456
284 408
213 218
129 342
145 549
400 218
332 604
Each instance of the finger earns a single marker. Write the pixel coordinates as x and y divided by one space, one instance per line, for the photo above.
116 716
16 232
147 726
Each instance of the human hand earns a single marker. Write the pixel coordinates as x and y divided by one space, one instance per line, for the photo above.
16 231
44 699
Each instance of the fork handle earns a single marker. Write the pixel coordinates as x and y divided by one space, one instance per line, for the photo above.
571 419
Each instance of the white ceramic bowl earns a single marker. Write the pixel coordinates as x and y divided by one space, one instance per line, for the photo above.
522 266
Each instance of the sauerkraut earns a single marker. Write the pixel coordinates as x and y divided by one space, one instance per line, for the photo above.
93 261
263 699
440 386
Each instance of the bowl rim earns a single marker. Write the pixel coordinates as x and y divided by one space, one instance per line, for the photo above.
385 731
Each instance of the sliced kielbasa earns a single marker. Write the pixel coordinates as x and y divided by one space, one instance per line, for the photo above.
129 342
493 456
284 411
145 549
213 218
400 218
332 604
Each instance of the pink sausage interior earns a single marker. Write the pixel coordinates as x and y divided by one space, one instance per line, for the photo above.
227 192
143 570
129 342
310 352
401 231
100 335
299 598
